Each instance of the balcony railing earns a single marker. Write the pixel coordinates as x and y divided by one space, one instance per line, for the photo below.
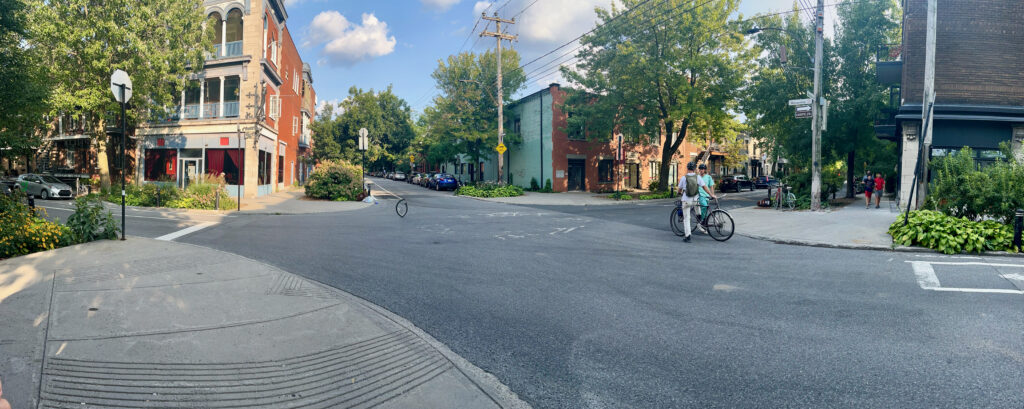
216 51
233 49
191 111
230 109
210 110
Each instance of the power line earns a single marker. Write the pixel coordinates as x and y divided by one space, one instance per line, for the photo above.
524 9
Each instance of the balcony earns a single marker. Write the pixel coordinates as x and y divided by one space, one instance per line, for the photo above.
210 110
191 111
233 49
231 109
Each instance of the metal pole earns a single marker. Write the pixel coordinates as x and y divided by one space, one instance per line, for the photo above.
240 166
124 136
816 109
1018 225
540 137
501 118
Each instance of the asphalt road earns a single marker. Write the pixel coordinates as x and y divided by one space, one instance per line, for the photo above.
597 308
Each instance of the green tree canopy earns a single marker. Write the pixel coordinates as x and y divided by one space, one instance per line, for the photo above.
386 117
23 89
81 42
655 69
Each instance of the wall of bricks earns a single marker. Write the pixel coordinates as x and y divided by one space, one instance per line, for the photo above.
979 57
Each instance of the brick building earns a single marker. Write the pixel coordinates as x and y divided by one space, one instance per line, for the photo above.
571 162
979 89
212 130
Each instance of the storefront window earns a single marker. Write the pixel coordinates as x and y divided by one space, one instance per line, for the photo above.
264 167
280 169
161 164
226 162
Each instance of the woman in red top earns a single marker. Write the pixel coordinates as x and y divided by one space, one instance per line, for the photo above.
880 188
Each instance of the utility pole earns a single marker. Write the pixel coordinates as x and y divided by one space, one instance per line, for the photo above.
501 119
816 109
928 103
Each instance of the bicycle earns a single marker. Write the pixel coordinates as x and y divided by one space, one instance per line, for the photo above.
788 200
401 207
718 223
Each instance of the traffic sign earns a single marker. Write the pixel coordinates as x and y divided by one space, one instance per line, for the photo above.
412 159
116 80
800 102
803 114
363 132
501 149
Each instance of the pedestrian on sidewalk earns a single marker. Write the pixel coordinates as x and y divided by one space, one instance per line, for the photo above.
869 187
879 189
690 186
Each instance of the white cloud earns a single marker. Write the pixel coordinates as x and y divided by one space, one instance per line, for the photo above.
480 6
345 43
440 5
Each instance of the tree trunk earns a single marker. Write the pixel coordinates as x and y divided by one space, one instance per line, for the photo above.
102 162
668 150
849 173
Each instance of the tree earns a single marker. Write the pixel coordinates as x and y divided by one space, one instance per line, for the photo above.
864 29
81 42
464 117
657 69
23 90
386 117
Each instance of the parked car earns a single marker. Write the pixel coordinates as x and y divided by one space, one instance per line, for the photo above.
399 176
443 181
735 183
765 182
8 186
390 175
44 186
425 180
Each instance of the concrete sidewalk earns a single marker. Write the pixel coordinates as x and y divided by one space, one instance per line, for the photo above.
851 226
559 199
294 201
145 323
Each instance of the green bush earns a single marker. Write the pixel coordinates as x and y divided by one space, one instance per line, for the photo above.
960 189
656 195
621 196
91 221
489 190
335 180
534 186
24 232
951 235
800 185
652 185
200 194
547 186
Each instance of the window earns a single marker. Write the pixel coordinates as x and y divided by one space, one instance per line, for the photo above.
160 164
280 169
655 169
295 125
606 171
275 107
226 162
516 126
264 168
673 172
296 82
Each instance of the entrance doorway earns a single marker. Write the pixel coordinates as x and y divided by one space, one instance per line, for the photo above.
577 174
633 175
189 172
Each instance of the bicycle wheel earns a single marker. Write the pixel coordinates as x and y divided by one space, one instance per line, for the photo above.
676 221
790 201
401 208
720 225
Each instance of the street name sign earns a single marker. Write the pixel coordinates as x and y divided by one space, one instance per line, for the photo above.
800 102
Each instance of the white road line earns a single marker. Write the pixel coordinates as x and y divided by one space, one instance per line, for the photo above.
974 263
927 279
182 232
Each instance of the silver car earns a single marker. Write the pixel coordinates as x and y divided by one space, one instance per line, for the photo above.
44 186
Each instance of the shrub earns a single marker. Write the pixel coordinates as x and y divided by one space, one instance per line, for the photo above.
335 180
23 232
951 235
621 196
656 195
547 185
91 221
489 190
960 189
534 186
652 185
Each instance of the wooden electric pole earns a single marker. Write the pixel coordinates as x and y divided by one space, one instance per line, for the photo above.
497 34
817 104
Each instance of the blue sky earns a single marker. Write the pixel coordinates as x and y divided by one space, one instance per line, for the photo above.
371 44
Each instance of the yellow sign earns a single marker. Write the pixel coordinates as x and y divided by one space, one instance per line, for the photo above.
501 149
412 159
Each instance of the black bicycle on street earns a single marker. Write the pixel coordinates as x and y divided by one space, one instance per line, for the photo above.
718 223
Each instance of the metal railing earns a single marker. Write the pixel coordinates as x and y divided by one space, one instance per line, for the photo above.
233 49
230 109
210 110
191 111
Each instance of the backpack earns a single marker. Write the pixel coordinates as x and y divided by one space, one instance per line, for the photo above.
692 186
869 183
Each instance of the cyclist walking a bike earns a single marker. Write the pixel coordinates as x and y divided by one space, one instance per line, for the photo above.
709 186
691 187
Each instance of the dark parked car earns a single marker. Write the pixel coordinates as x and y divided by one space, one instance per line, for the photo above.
765 182
443 181
735 183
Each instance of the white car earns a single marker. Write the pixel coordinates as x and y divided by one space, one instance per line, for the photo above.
399 176
44 186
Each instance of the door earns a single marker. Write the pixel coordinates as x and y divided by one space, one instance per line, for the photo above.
190 172
633 175
577 178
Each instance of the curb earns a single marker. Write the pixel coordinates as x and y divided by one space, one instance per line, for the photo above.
875 247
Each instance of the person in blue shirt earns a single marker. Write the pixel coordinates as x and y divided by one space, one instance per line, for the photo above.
705 193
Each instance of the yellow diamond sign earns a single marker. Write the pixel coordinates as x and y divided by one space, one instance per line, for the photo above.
501 149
